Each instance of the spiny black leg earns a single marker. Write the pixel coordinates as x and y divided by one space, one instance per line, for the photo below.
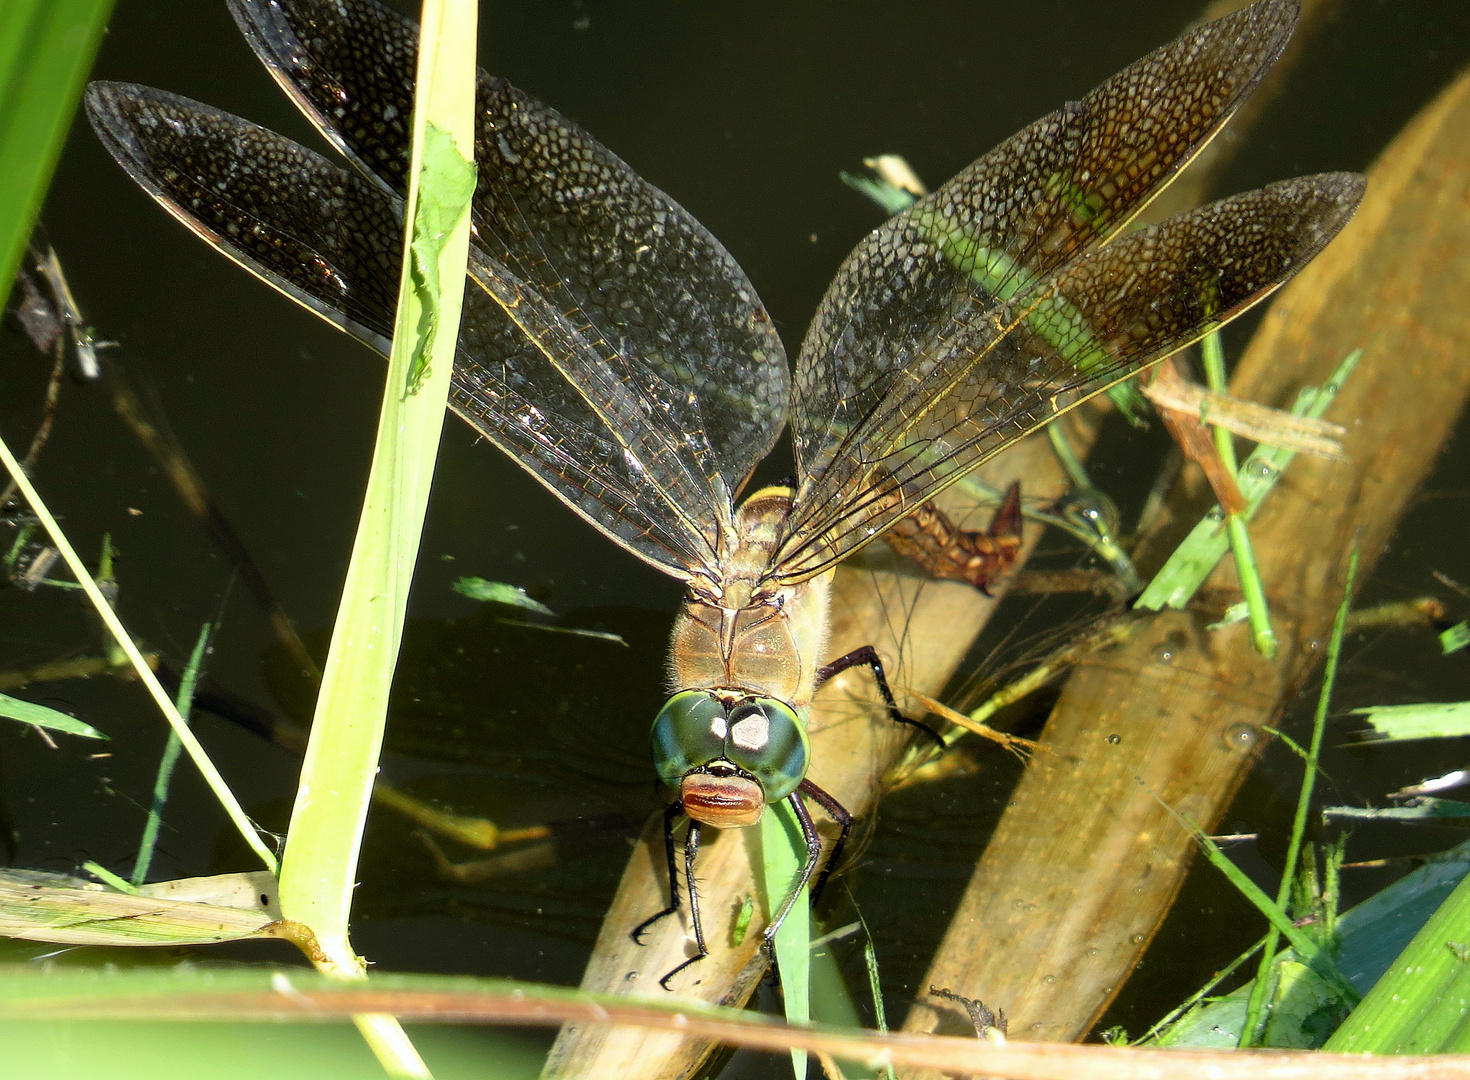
838 813
813 856
691 852
671 817
868 656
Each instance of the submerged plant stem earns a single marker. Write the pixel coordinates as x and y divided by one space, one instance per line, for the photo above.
150 681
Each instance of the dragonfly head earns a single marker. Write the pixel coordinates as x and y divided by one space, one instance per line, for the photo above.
729 754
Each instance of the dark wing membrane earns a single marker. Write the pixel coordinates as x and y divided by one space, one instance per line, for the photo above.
1063 185
648 289
1003 367
330 240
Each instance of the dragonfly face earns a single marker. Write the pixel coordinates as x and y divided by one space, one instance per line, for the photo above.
613 348
729 755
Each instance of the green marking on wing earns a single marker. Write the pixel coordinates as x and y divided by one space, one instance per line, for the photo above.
1054 319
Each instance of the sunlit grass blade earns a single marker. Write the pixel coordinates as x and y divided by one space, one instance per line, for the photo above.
1240 539
1428 720
1419 1004
1454 638
46 50
319 871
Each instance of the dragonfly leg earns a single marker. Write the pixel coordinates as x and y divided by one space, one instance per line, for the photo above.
981 558
671 818
691 852
867 656
838 813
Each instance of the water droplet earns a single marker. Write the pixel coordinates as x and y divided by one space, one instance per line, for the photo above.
1137 939
1049 979
1090 509
1114 740
1093 952
1162 654
1242 737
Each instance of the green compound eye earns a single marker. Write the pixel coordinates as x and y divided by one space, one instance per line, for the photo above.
769 741
688 733
761 736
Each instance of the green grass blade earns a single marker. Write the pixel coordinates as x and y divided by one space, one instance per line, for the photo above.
46 51
1419 1005
1426 720
28 712
1455 638
1255 1020
1254 593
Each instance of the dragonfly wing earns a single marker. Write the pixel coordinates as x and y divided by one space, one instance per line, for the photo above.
999 370
648 289
1064 185
331 240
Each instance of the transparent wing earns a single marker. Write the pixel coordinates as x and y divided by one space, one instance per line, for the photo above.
1002 369
330 240
648 290
884 339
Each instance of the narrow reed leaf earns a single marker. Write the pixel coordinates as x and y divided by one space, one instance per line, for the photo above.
782 856
1455 638
1418 1006
1255 1019
498 592
169 758
319 869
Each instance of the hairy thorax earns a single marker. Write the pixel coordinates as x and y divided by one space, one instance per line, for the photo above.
743 634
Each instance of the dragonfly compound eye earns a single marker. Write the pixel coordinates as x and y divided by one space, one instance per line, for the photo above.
689 733
768 740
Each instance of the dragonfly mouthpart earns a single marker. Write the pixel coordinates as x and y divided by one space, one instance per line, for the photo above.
723 796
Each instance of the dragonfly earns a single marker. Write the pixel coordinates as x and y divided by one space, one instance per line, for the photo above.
615 350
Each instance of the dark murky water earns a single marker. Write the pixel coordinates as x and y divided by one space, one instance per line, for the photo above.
745 114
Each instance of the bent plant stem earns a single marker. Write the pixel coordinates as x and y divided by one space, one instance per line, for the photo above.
1251 589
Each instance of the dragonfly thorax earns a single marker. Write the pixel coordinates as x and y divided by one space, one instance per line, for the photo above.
739 632
743 664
